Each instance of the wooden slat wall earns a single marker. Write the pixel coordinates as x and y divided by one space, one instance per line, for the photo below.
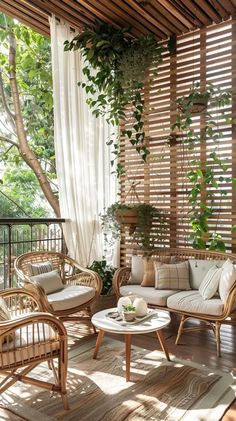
206 56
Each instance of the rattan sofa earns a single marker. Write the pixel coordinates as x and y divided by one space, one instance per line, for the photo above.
225 313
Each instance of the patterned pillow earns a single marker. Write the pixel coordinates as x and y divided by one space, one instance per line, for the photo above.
4 312
49 281
172 276
149 270
210 283
42 267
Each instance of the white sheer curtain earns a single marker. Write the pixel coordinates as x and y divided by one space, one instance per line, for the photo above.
86 185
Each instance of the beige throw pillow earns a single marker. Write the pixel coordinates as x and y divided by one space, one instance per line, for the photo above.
42 267
136 276
149 270
227 279
210 283
172 276
50 281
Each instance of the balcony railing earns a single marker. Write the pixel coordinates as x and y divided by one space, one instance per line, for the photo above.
18 236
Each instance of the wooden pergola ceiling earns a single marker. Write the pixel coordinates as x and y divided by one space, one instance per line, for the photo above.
160 17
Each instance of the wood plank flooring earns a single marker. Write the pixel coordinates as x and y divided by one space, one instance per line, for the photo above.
199 347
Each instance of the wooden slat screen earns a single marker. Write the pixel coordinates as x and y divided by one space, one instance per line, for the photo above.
205 56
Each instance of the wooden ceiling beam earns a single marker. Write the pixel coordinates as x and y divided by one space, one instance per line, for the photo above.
186 20
196 11
172 19
25 19
127 14
218 6
229 6
209 10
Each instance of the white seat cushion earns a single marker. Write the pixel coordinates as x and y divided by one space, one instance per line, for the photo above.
193 302
149 294
24 338
70 296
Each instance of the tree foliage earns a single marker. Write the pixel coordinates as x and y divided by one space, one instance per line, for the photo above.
26 125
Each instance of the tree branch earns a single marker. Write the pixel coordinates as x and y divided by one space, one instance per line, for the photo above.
5 139
4 101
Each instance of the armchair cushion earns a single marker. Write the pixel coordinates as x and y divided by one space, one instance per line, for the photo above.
41 267
49 281
71 296
29 342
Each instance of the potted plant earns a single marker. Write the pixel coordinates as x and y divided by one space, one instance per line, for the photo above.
195 102
138 218
129 312
107 298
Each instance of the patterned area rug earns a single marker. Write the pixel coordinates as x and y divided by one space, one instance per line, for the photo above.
158 390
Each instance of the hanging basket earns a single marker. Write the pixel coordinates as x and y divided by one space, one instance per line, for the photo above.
127 217
193 106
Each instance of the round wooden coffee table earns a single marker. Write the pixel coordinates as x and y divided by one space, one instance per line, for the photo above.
154 323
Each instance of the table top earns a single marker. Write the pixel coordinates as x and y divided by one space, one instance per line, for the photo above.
158 320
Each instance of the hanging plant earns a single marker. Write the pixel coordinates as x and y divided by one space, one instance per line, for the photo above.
210 174
116 68
138 219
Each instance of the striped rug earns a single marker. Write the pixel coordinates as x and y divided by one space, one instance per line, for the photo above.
158 390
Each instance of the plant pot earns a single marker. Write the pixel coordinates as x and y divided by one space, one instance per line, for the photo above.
127 217
104 302
128 316
194 106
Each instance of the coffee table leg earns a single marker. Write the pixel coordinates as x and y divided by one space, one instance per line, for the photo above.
127 356
98 343
162 343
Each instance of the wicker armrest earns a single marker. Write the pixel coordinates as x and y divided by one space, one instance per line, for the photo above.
120 278
84 277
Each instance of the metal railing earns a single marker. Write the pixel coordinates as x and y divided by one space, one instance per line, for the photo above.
18 236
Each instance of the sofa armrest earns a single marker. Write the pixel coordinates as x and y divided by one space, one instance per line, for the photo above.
120 278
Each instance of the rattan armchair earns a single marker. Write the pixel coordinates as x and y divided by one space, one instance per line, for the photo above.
29 338
77 282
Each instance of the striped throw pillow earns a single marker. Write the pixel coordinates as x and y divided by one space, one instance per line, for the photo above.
172 276
210 283
38 268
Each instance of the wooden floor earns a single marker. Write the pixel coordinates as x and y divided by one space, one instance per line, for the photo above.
199 347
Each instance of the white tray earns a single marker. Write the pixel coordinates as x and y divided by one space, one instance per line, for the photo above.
121 322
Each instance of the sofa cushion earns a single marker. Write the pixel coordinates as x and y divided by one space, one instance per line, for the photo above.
41 267
49 281
199 268
149 294
193 302
137 270
227 279
149 269
210 283
71 296
172 276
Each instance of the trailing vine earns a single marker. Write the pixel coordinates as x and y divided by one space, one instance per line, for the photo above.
208 175
116 68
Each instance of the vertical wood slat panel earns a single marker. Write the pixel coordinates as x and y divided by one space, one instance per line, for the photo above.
205 57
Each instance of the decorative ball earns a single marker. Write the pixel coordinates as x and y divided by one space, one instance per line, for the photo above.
141 307
123 301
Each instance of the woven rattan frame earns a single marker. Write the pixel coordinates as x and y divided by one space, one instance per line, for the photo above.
71 273
228 315
22 306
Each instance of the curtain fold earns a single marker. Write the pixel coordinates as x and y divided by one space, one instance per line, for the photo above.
86 185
